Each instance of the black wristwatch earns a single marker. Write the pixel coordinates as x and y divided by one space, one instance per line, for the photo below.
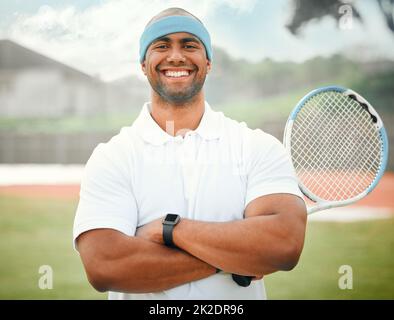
169 222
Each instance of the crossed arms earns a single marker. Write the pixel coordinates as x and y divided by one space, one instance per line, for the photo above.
269 239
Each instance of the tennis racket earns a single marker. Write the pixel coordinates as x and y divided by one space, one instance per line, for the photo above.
338 146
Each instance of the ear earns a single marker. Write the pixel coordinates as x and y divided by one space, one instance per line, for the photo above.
209 66
143 67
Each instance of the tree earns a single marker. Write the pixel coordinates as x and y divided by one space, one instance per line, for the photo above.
307 10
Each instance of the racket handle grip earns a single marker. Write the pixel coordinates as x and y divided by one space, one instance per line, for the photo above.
243 281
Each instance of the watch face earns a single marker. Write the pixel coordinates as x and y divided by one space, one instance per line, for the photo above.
171 217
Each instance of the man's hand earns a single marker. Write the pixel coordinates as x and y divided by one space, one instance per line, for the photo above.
152 231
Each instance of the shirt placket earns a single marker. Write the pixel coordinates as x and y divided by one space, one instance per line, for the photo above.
189 169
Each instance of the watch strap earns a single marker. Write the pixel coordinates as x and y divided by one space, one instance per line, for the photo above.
167 235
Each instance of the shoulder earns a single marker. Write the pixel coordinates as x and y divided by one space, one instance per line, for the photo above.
114 154
252 141
259 137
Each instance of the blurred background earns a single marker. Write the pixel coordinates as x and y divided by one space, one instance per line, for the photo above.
70 79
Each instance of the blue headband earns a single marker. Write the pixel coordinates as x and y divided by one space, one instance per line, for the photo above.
174 24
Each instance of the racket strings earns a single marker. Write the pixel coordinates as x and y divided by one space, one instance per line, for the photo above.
329 163
335 147
334 183
344 160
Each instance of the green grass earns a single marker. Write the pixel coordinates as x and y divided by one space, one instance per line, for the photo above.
35 232
365 246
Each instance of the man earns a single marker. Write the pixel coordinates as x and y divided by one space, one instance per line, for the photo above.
227 194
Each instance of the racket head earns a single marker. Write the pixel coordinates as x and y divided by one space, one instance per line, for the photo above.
338 146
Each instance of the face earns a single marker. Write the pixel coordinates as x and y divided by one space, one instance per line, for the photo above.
176 66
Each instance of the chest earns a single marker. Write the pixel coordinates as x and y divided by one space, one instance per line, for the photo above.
199 180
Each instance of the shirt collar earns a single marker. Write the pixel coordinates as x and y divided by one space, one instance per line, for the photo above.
150 131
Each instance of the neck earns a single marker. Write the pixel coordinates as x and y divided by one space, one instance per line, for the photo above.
177 119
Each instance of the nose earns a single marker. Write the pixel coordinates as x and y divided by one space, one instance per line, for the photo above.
176 55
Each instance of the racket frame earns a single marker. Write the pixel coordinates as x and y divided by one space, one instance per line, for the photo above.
322 204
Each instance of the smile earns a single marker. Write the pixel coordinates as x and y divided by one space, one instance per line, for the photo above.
176 73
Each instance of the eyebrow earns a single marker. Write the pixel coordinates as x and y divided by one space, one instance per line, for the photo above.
183 40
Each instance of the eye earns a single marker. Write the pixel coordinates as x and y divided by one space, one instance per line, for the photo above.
161 46
190 46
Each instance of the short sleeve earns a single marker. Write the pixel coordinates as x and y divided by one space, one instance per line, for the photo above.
270 169
106 197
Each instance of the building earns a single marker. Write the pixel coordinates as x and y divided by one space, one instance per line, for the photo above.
35 86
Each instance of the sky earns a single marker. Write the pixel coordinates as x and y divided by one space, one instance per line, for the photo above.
100 37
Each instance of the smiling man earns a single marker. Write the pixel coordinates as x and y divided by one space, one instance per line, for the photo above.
184 199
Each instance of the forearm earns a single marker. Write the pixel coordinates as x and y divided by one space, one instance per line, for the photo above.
135 265
253 246
155 267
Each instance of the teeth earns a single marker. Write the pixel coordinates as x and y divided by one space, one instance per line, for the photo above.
176 74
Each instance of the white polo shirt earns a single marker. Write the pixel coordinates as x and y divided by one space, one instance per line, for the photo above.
211 175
